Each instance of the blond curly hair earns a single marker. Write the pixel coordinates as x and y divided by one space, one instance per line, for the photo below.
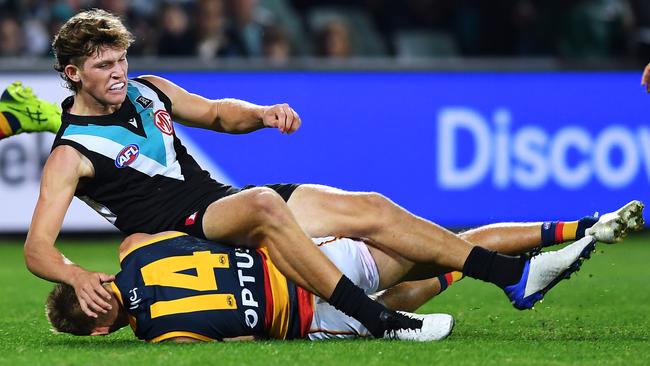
83 35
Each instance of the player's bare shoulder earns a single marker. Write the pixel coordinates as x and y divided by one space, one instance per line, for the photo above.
66 160
166 86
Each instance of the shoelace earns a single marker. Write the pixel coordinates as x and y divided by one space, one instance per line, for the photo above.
395 322
34 116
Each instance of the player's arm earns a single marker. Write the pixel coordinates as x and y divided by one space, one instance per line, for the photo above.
61 174
225 115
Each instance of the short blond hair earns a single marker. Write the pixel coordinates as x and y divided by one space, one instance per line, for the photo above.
65 314
82 36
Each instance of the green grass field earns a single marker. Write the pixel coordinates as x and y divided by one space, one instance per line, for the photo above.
600 316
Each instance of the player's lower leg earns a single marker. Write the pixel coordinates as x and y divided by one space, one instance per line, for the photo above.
410 295
517 238
541 273
506 238
21 111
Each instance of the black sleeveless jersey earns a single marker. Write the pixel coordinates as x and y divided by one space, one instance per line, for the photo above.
180 285
145 181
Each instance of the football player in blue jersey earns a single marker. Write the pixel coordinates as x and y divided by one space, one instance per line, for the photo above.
174 287
116 150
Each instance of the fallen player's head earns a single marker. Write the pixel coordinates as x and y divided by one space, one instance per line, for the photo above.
65 314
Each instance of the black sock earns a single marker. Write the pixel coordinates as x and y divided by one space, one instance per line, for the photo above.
486 265
584 224
351 300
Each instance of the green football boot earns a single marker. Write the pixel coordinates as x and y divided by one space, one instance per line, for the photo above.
21 111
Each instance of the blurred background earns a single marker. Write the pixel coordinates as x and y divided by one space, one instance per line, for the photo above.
281 30
465 112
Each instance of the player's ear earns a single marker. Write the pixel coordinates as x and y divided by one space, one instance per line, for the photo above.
100 331
72 72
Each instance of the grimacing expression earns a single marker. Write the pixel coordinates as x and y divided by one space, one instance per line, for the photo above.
103 76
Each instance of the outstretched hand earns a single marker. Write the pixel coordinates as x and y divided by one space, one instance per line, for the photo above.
282 117
645 78
92 295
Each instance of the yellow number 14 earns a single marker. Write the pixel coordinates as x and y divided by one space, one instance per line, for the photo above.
165 272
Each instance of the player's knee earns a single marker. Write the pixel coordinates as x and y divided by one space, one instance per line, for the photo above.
380 209
267 206
370 213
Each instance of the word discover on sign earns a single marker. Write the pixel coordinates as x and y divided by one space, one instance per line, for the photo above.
530 157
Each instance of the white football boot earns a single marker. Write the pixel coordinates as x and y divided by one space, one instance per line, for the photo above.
546 270
426 327
614 226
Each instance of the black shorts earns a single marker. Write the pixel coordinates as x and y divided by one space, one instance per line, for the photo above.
193 224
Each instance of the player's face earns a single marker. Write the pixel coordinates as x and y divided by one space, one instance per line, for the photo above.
103 76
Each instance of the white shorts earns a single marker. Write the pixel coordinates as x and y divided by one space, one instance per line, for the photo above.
354 260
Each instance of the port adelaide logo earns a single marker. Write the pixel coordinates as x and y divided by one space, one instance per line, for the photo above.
127 156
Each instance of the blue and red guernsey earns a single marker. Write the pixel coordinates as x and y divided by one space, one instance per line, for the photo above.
181 286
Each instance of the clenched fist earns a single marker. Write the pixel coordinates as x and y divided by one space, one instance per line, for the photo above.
282 117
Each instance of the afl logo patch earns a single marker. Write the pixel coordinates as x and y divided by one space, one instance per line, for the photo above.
127 156
163 121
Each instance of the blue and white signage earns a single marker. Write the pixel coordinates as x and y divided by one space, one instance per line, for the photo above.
458 148
461 149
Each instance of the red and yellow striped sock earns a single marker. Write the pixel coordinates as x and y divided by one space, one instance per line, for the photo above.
5 127
560 231
448 279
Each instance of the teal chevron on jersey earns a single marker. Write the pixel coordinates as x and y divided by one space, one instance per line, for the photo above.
152 146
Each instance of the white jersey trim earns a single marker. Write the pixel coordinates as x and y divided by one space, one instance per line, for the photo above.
100 209
142 163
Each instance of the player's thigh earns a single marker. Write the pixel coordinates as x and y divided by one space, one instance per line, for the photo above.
323 211
236 218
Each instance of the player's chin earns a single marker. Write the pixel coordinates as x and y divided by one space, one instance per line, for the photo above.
115 96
